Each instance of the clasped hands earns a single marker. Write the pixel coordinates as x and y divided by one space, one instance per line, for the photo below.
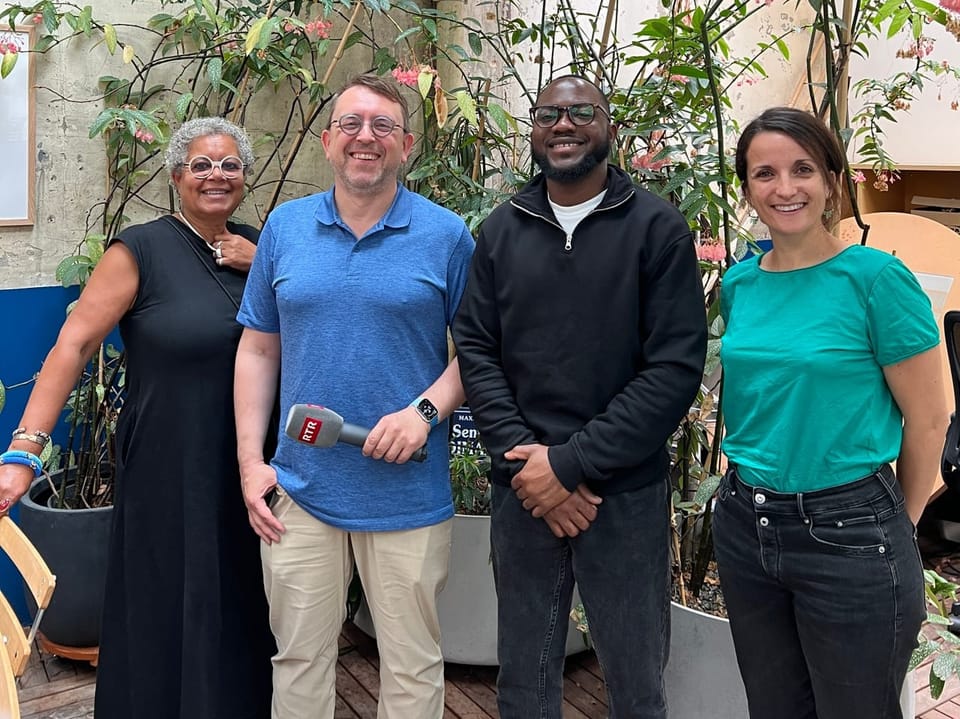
566 513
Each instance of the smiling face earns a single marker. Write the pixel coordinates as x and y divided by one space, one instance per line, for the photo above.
786 186
214 198
364 163
567 153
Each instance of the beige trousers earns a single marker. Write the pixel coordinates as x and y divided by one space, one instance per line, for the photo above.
306 576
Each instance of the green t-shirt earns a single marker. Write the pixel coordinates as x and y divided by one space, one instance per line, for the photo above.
805 400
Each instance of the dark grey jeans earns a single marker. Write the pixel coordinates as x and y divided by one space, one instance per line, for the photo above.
825 596
621 566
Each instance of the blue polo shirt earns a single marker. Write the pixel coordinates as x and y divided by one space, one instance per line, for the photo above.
363 330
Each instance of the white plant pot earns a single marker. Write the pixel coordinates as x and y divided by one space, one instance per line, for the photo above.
467 606
702 678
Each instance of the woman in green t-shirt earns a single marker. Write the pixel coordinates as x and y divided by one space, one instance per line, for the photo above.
831 374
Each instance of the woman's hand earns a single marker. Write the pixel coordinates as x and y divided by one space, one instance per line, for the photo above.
917 386
15 480
234 251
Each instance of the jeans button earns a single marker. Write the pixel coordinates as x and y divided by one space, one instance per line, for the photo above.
764 522
882 550
759 498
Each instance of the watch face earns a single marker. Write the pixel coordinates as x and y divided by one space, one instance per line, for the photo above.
427 410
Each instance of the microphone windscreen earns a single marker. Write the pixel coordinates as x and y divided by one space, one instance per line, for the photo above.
313 425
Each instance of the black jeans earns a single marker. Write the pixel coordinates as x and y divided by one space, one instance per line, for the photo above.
621 565
825 596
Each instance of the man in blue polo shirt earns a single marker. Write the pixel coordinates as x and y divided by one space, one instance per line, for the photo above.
352 292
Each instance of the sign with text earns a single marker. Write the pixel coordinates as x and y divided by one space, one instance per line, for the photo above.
463 431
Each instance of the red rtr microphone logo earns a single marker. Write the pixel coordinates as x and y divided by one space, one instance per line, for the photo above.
310 430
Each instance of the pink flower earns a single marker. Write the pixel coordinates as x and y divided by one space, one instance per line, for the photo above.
859 177
711 252
952 5
406 77
9 48
144 136
38 19
920 48
411 76
318 29
646 161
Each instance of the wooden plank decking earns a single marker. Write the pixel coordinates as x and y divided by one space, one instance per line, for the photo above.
54 688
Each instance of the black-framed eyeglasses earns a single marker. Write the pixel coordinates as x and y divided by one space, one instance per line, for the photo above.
202 167
580 114
381 125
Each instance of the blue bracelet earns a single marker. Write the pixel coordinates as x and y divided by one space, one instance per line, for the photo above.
16 456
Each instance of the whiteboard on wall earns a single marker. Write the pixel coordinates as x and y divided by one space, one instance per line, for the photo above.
17 134
923 136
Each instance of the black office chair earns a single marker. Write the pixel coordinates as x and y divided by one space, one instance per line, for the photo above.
939 527
950 458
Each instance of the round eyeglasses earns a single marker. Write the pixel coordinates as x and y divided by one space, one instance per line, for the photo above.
381 125
581 114
202 167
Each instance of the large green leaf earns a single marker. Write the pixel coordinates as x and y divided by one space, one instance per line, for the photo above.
7 64
110 38
253 35
215 72
468 107
183 104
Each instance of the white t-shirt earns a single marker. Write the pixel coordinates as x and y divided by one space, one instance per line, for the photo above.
569 216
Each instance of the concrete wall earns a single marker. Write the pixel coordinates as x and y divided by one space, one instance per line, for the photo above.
71 174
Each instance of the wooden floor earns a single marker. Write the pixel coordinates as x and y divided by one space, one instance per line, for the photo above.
55 688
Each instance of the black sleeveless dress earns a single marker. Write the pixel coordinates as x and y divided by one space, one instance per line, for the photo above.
185 628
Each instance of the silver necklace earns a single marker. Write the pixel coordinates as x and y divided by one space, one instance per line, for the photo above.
185 221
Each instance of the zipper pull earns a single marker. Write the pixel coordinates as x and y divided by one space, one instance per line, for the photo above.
569 244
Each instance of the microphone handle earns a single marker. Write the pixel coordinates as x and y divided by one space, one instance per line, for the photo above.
353 434
356 435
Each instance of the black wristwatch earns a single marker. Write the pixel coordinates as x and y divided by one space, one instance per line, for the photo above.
427 411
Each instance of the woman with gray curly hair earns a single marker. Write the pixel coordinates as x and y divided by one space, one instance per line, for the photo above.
185 632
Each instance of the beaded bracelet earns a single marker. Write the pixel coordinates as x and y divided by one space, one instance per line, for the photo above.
38 437
15 456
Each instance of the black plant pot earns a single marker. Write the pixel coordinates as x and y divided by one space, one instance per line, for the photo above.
73 542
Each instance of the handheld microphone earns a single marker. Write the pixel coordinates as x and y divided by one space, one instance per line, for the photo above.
318 426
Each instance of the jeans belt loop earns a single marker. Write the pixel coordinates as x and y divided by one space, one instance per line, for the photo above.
886 477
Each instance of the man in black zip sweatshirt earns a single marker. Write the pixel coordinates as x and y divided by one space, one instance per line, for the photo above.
581 337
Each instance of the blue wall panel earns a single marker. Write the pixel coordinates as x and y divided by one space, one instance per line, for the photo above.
32 318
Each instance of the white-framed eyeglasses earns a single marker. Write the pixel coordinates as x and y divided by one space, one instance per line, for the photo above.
381 125
202 167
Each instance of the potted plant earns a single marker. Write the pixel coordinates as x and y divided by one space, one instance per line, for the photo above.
467 606
66 513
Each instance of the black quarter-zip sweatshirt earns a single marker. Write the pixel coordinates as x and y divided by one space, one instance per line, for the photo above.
592 344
